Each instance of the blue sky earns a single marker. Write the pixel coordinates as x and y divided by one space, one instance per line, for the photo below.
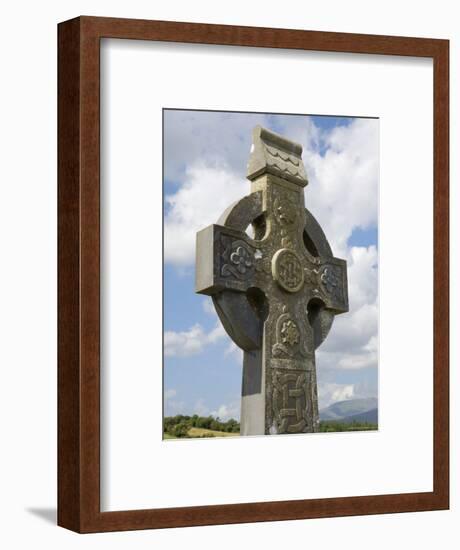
205 156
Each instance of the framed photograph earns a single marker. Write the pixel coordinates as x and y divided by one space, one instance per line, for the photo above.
253 274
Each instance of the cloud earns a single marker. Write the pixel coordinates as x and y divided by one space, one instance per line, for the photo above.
352 342
192 135
362 275
343 171
200 408
192 341
329 393
171 405
205 194
233 349
216 334
225 412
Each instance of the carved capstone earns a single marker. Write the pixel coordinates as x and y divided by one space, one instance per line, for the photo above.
277 293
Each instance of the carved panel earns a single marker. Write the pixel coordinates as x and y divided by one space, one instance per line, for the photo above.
289 336
331 281
291 402
287 211
237 259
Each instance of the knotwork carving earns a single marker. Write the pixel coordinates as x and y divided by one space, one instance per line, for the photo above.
287 270
286 213
291 401
239 259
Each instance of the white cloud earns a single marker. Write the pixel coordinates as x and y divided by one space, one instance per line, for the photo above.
233 349
352 343
192 135
225 412
361 360
216 334
171 405
329 393
200 408
343 184
184 343
192 341
206 193
362 275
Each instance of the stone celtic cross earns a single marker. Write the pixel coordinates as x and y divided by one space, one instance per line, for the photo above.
276 292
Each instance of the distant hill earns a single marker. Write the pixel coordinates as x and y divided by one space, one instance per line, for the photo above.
345 410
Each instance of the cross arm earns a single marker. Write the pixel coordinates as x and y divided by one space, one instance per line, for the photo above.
328 278
225 260
331 276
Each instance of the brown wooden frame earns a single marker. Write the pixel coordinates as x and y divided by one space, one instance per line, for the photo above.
78 285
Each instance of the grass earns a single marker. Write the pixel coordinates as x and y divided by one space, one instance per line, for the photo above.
202 432
334 426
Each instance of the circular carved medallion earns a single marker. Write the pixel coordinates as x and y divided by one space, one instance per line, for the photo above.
287 270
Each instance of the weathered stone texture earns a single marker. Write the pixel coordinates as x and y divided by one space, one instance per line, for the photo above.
277 293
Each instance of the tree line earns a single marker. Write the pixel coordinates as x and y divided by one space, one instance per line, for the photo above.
179 425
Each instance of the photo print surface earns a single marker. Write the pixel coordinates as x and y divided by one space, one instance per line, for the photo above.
270 262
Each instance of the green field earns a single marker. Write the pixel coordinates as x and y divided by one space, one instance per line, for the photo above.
337 426
183 426
192 427
202 433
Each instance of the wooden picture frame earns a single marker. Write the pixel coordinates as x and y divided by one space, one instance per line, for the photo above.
79 274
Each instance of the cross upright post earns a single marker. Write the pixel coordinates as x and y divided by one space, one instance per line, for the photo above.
277 292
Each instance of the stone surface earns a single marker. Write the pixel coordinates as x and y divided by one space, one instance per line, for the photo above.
277 293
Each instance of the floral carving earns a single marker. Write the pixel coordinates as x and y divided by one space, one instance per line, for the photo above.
242 259
288 336
238 259
289 333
